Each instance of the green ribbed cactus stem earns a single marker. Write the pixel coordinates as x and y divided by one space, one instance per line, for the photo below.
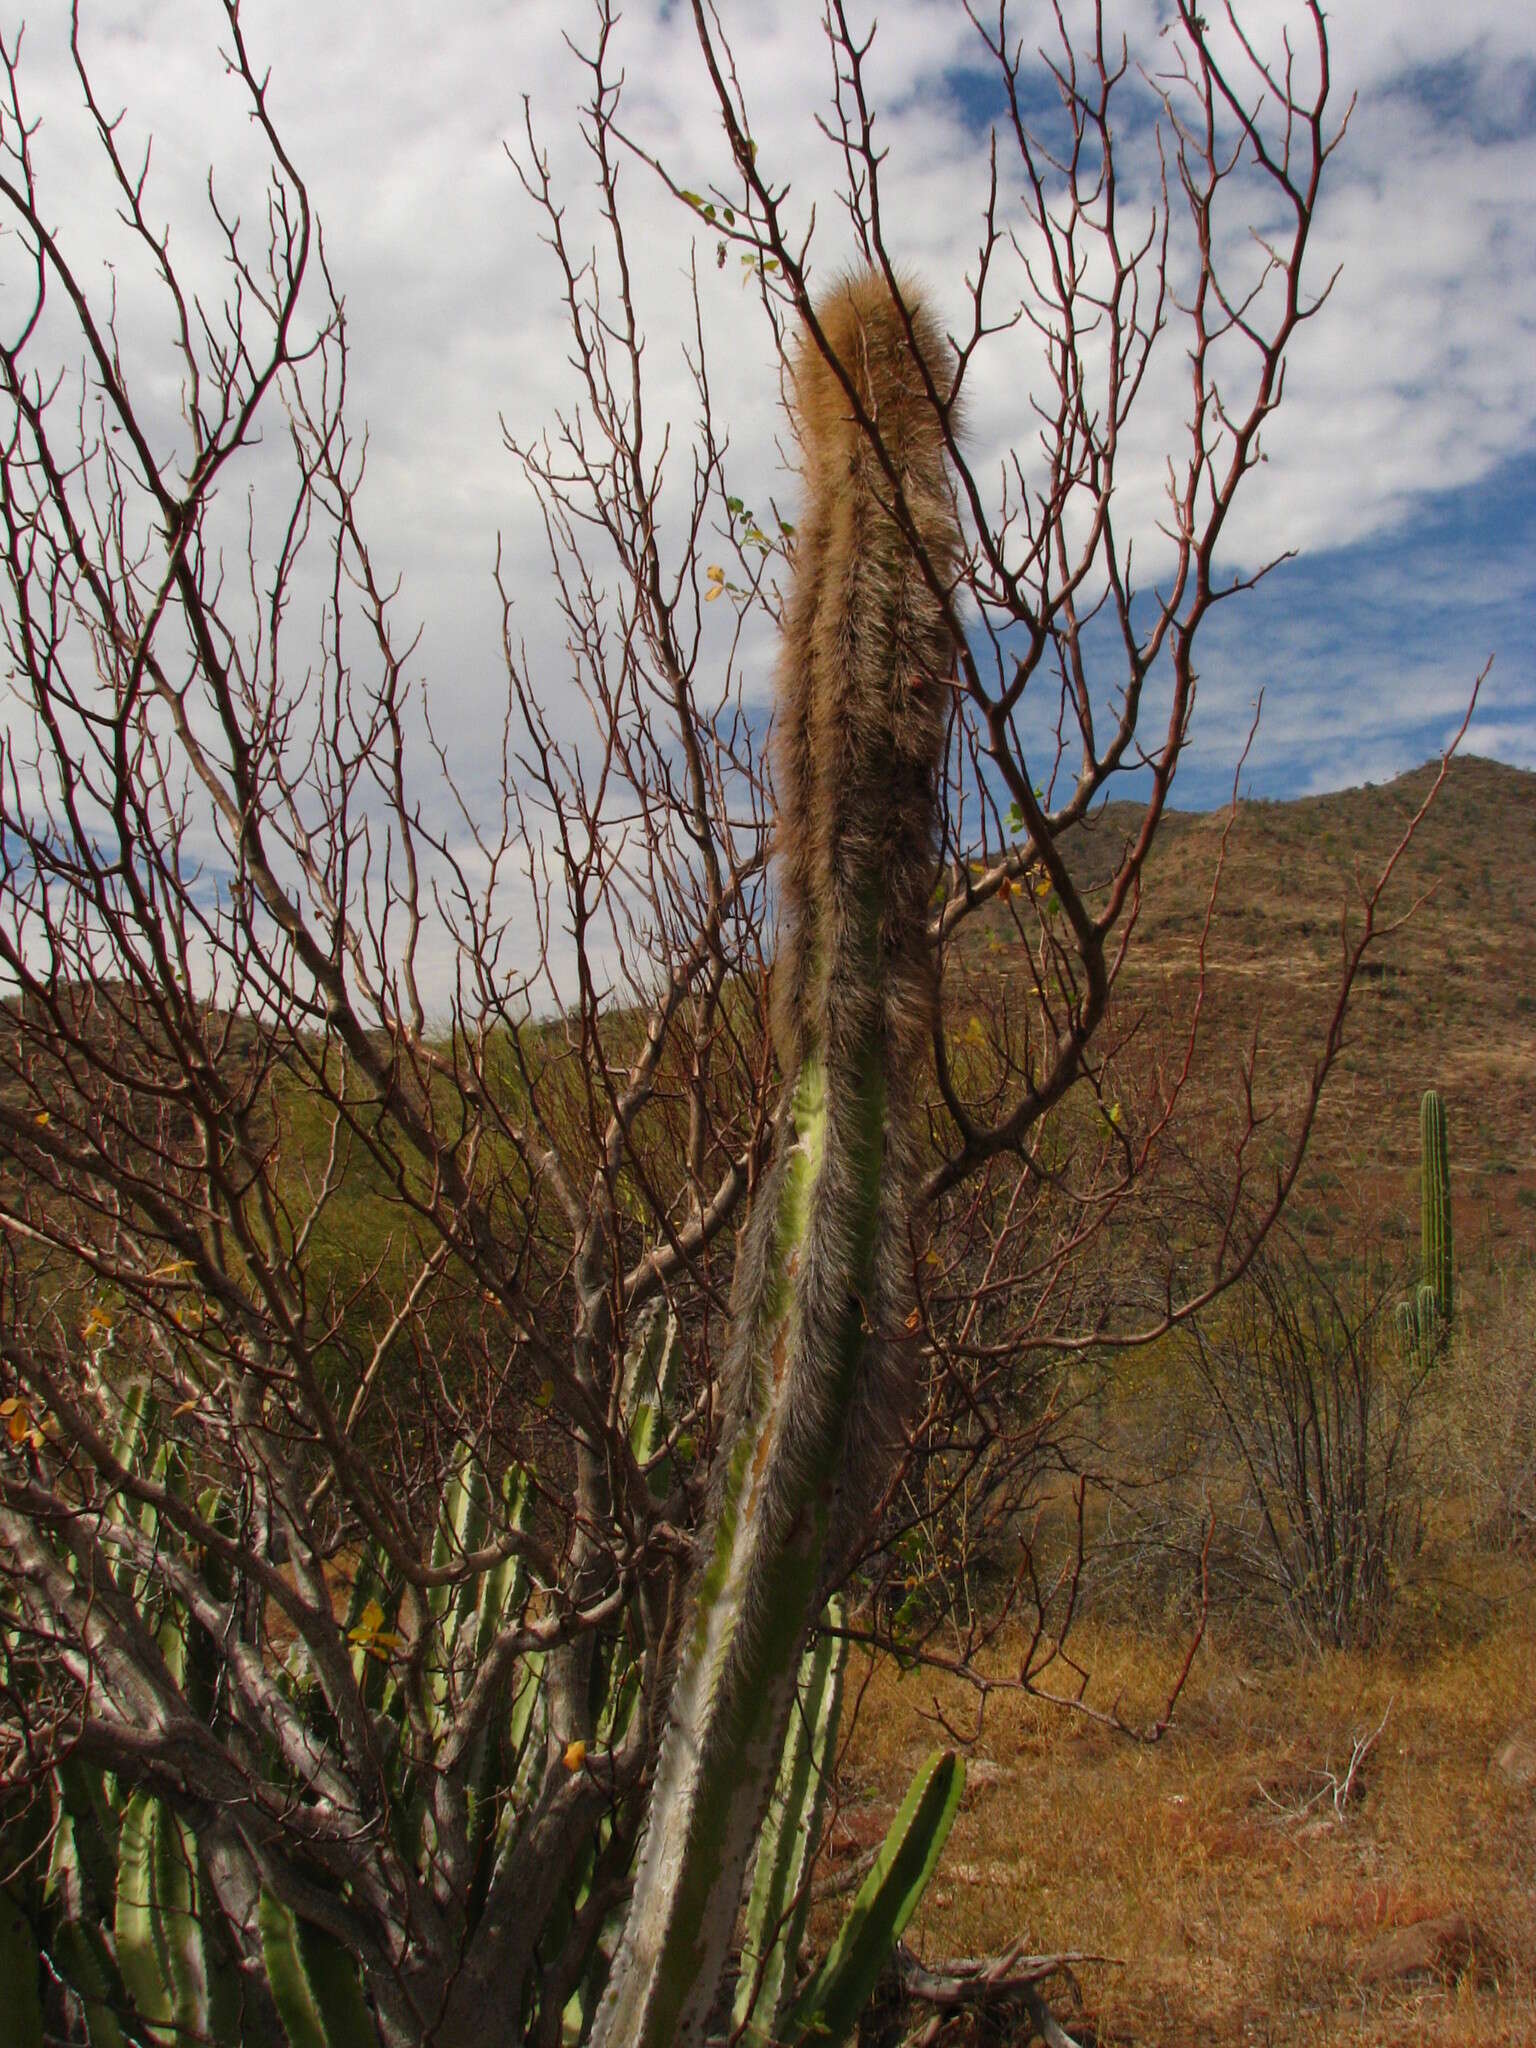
1435 1205
313 1981
19 1971
781 1890
81 1956
180 1984
827 2011
1407 1329
818 1368
651 1372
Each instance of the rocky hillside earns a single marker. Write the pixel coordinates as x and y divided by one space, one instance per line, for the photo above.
1445 999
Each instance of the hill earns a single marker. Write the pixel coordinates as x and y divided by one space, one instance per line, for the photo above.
1447 999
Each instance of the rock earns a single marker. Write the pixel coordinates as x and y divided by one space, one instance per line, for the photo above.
1514 1761
982 1774
1425 1950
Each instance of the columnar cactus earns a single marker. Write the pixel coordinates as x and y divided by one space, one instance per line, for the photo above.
781 1871
1435 1203
124 1898
1423 1322
820 1364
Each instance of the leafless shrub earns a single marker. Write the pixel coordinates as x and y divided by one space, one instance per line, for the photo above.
1315 1484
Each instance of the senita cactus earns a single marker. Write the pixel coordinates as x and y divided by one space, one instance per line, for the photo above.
820 1364
767 2012
117 1902
123 1899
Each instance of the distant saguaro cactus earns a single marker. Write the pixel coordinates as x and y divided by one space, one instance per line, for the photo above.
1424 1321
1435 1203
821 1364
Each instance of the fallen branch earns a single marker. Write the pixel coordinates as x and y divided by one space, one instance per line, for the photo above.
970 1983
1335 1786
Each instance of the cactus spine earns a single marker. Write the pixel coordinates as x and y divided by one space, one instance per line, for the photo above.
818 1368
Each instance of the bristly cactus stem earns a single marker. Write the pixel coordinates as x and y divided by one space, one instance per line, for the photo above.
819 1370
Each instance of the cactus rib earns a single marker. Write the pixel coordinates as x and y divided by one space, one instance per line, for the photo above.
313 1980
780 1896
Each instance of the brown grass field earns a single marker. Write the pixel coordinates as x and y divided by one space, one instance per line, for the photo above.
1234 1899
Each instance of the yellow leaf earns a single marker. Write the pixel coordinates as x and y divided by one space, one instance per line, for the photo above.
715 573
42 1119
715 590
186 1408
575 1755
368 1624
97 1323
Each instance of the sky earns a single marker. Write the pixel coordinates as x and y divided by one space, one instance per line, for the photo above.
1400 468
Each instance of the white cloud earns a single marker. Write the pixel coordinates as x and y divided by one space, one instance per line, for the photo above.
1415 379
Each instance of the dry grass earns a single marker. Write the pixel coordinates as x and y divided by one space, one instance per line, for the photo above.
1240 1908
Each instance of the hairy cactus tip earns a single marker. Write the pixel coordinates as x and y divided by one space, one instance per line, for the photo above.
867 655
